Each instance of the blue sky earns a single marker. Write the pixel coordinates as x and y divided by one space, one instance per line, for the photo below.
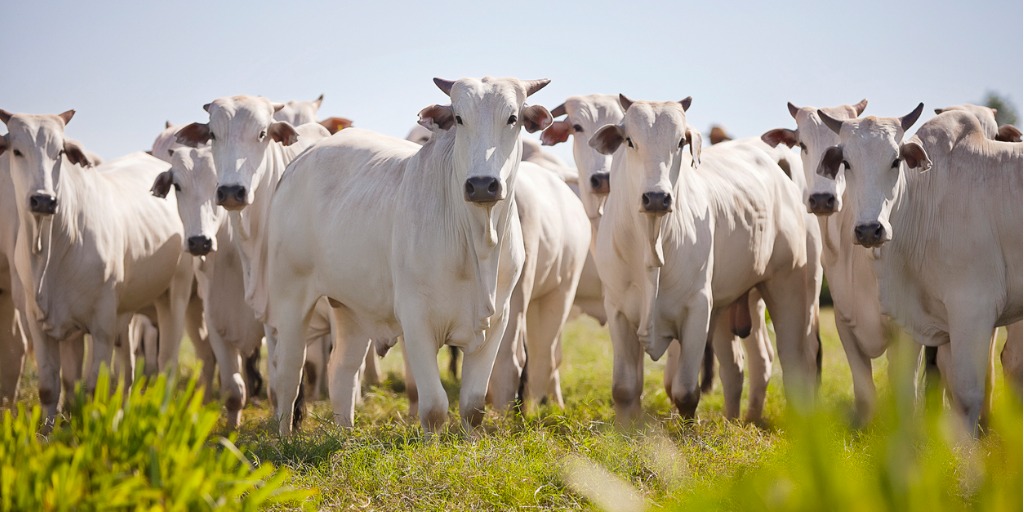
126 67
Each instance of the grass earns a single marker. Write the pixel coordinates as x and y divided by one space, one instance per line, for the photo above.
576 459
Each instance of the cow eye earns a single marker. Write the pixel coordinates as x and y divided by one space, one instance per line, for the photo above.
212 137
263 134
177 187
17 153
846 164
629 142
60 153
512 119
682 142
458 119
577 128
803 147
896 163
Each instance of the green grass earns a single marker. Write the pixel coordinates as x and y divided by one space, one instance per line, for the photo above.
576 458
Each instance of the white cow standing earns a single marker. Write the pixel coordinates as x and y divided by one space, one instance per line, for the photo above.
90 250
432 230
250 153
941 213
677 245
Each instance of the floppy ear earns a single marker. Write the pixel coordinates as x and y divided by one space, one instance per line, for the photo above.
833 124
830 162
915 156
607 140
162 184
193 135
75 154
437 117
536 118
557 132
693 138
781 136
1009 133
336 124
283 132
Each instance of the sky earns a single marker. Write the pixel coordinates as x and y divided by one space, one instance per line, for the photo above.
127 67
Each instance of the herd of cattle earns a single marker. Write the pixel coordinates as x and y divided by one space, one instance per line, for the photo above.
263 224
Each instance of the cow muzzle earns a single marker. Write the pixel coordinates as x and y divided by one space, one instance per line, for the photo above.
656 202
600 183
870 234
42 204
821 203
199 245
232 197
483 189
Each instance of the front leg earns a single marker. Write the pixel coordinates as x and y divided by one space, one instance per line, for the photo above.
686 384
476 371
628 366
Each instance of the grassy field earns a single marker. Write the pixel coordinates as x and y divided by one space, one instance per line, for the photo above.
576 458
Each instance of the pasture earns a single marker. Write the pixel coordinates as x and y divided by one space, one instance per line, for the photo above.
578 459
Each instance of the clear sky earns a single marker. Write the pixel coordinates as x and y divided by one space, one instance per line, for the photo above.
126 67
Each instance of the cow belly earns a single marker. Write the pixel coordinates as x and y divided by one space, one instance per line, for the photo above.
149 277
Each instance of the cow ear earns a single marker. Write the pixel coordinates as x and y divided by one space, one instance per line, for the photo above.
437 117
830 162
915 156
1009 133
607 140
780 136
336 124
75 154
319 101
693 139
283 132
66 116
535 118
162 184
718 135
557 132
194 135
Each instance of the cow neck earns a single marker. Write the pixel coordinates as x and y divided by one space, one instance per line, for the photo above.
483 231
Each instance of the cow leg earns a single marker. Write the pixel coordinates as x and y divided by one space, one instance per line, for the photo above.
759 354
970 337
47 354
232 386
410 383
12 351
627 367
671 365
313 368
730 362
253 379
789 303
686 384
350 348
371 370
904 359
72 358
864 393
125 352
544 320
199 334
270 335
476 371
1012 357
421 355
511 356
170 312
286 360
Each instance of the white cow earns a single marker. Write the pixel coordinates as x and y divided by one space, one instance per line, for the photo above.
90 251
666 226
250 153
232 327
432 230
941 213
863 330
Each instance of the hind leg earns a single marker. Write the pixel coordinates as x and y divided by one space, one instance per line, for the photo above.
350 347
730 364
760 354
545 319
1012 357
13 347
786 296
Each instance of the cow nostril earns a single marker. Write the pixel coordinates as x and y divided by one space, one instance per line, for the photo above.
469 188
647 200
668 200
220 195
493 187
240 194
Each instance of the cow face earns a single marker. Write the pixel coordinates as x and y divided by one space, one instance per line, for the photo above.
240 130
38 151
874 159
653 137
487 115
194 179
298 112
584 115
823 196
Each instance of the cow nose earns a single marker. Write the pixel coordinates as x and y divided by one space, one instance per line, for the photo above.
600 184
200 245
822 203
657 202
42 203
870 234
232 197
483 189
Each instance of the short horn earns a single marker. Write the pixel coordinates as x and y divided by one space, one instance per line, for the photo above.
624 101
558 111
908 120
793 109
444 85
833 124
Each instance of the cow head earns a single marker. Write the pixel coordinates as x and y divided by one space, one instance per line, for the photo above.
486 115
240 131
871 151
653 137
823 196
38 151
298 112
194 179
584 115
